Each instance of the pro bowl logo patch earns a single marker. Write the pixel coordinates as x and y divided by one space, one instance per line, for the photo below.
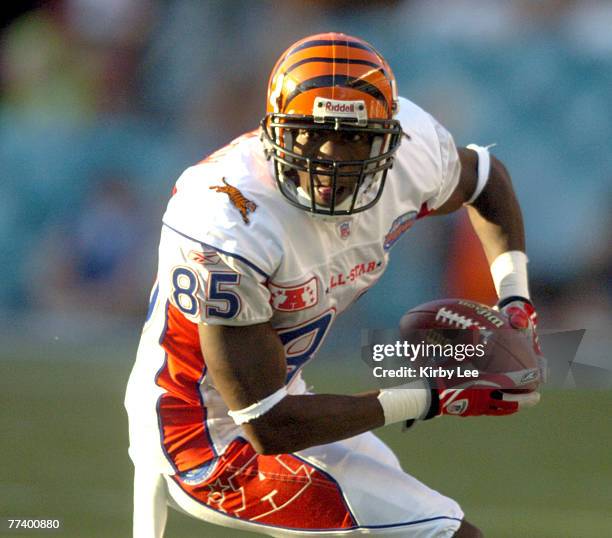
400 225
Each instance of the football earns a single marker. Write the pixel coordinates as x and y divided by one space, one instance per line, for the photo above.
471 335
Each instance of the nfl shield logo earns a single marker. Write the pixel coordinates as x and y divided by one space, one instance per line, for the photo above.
345 229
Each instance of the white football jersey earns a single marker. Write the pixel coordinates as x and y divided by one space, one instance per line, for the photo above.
233 251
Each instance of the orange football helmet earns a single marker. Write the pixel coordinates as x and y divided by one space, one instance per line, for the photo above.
331 85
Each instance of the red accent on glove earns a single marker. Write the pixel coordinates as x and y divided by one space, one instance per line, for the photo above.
523 317
473 402
519 319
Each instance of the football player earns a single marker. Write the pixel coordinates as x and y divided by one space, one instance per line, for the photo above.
263 244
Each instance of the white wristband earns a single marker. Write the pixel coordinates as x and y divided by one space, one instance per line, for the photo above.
404 402
258 408
509 272
484 169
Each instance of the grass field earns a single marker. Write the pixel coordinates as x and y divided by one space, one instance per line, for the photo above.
544 473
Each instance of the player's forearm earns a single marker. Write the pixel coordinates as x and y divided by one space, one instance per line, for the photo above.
496 215
302 421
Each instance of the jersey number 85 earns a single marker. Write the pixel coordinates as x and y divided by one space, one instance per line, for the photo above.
226 303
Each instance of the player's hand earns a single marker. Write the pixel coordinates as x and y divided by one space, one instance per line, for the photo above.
523 317
488 398
471 401
474 399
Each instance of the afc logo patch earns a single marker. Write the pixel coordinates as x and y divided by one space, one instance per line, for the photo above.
294 298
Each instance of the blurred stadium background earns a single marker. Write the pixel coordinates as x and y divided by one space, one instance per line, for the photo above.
104 103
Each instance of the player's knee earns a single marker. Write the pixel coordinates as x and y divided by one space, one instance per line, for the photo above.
467 530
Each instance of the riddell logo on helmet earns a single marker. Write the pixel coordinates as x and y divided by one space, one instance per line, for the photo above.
339 107
324 108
